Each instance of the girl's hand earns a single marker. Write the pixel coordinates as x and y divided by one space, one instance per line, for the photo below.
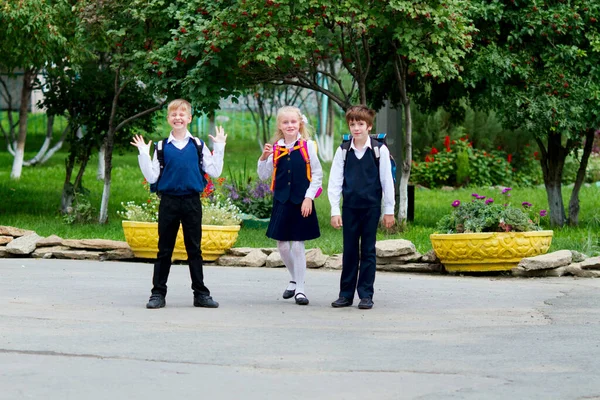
221 136
306 208
267 151
138 141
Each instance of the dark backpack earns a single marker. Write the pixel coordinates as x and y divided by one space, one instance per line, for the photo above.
377 141
160 155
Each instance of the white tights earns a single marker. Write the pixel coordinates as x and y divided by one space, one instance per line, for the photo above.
294 257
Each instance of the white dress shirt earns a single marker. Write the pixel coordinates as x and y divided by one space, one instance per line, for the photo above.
265 168
211 162
336 178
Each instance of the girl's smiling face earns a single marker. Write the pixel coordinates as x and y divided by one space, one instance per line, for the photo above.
289 125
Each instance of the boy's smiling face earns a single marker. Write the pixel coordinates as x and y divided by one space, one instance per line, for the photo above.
179 119
359 129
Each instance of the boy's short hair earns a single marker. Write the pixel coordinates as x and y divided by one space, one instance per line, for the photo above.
360 113
179 103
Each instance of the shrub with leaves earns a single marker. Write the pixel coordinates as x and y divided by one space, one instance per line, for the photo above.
483 215
217 208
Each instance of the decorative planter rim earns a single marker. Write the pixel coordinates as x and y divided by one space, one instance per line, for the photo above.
485 235
488 251
212 227
142 237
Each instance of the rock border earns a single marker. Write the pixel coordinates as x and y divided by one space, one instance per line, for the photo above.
395 255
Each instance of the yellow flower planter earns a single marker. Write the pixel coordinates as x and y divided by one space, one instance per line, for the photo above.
489 251
142 237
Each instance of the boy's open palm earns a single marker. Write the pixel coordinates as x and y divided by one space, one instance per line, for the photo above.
138 141
221 137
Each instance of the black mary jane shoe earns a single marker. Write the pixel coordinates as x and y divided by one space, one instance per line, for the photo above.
288 294
301 299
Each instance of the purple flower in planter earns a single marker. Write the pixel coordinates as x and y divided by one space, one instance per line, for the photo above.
456 203
475 195
489 201
247 200
506 190
543 213
526 204
481 197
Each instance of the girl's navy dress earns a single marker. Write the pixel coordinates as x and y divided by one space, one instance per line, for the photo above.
291 183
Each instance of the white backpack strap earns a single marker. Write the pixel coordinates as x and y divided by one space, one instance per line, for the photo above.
375 148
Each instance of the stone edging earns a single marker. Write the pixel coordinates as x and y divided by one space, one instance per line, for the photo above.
397 255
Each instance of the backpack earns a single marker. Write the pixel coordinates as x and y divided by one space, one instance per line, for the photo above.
377 141
160 155
279 151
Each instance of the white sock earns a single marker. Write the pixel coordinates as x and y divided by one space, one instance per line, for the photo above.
299 261
286 255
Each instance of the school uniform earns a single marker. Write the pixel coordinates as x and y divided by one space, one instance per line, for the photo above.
362 184
290 189
180 186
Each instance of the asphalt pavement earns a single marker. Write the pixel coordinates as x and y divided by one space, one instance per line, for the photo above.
80 330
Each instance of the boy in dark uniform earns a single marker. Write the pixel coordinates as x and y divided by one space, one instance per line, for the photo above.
361 180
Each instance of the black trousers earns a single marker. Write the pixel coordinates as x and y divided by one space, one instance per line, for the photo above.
358 266
187 211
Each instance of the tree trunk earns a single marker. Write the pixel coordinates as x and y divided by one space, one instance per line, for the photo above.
100 175
68 191
108 148
57 146
552 162
17 167
406 165
574 201
42 152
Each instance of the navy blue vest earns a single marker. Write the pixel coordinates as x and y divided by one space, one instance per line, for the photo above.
362 186
291 182
181 174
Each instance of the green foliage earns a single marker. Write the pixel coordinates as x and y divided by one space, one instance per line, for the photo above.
81 212
477 167
37 32
483 215
217 209
251 195
462 167
536 64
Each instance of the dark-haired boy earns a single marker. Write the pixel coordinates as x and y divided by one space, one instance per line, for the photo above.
361 179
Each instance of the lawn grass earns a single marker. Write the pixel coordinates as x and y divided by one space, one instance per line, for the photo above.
33 201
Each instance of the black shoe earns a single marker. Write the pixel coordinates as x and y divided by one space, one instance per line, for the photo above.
341 302
365 304
288 294
204 300
156 301
301 299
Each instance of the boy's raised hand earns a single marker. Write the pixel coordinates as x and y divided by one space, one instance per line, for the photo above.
221 137
138 141
267 151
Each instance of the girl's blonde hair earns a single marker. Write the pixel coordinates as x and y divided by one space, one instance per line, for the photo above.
305 129
179 103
